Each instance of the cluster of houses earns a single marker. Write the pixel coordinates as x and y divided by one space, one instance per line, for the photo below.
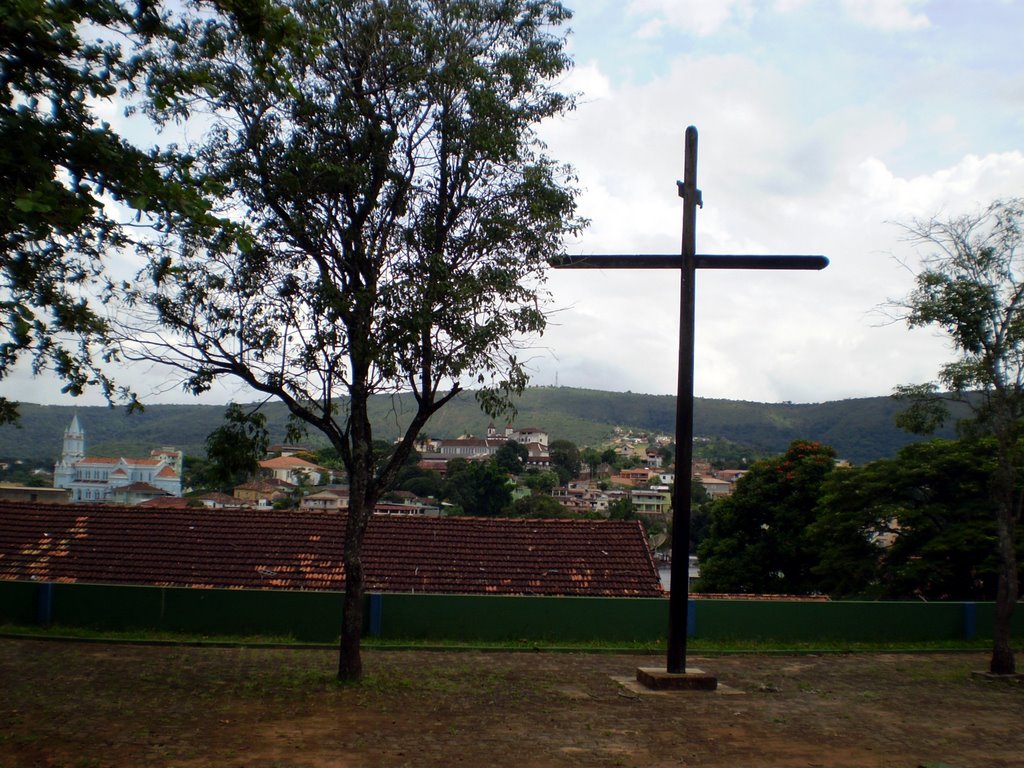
157 480
95 479
108 536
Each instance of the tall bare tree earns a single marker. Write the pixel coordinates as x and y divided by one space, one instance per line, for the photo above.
971 287
400 213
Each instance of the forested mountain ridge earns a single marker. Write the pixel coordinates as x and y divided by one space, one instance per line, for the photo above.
860 430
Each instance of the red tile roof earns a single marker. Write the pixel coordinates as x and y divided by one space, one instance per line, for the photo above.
162 502
288 462
302 550
113 460
140 486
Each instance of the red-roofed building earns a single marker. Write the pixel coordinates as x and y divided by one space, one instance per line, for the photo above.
136 493
272 549
98 478
292 469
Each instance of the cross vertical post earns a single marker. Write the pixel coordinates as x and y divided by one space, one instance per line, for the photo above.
688 262
680 569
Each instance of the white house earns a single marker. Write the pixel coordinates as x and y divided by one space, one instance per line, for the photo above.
101 478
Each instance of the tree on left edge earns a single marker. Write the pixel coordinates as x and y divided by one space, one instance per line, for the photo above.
64 177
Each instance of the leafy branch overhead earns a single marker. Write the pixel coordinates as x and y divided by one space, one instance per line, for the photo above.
71 183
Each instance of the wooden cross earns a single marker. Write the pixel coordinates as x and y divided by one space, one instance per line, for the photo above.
688 262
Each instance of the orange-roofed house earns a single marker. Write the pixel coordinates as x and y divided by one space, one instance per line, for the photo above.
292 469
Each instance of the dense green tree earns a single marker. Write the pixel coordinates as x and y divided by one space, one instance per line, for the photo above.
700 513
591 458
234 449
400 210
610 456
540 481
565 460
196 474
971 287
427 484
512 457
622 509
539 506
667 454
920 525
759 540
478 488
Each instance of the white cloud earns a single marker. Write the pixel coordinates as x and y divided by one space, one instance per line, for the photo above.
772 183
696 17
888 15
803 149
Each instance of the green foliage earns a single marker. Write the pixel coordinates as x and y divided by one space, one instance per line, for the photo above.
426 484
235 448
759 540
511 457
539 481
61 169
920 525
970 288
701 504
565 460
477 488
540 507
591 458
622 509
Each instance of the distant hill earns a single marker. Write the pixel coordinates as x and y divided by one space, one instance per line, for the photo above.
860 430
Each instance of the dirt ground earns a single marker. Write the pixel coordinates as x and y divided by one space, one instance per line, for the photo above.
92 705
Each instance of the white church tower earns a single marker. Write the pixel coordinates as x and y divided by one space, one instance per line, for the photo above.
64 472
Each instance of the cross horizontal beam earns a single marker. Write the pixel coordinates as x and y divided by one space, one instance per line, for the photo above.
675 261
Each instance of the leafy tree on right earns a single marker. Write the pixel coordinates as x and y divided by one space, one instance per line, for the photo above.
917 526
971 286
758 540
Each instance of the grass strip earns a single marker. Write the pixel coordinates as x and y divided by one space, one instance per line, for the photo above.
699 646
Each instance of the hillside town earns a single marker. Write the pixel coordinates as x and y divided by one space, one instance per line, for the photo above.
630 476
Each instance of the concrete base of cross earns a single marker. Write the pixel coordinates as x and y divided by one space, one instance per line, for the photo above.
692 679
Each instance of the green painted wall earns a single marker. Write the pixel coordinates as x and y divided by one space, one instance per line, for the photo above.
810 621
508 617
305 616
18 601
316 616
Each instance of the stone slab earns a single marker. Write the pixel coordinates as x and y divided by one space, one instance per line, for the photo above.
692 679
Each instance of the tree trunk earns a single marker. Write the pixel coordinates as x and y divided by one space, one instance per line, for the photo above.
1003 662
362 499
1008 590
350 660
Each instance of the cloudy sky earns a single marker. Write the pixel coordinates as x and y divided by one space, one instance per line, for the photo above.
822 124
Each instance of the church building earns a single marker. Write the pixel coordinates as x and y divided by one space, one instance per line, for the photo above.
115 480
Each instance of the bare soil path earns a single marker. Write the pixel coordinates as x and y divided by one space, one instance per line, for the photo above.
91 705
